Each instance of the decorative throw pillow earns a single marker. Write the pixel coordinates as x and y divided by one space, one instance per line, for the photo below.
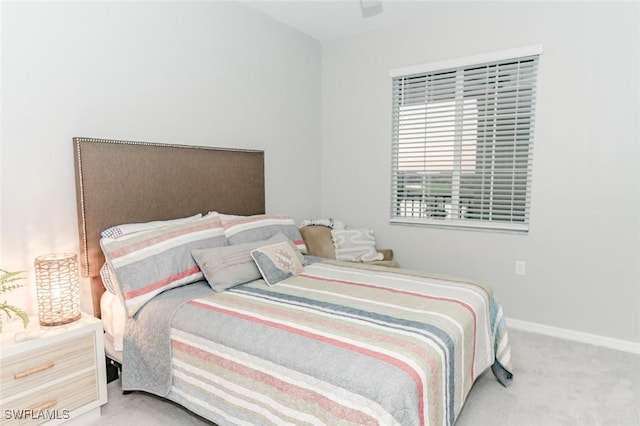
229 266
356 245
329 223
277 262
260 227
149 262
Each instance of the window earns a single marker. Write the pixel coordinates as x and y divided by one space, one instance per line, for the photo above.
463 141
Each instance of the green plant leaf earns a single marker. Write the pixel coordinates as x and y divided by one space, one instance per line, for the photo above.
6 278
10 281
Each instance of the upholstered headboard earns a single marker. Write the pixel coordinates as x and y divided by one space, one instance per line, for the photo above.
126 182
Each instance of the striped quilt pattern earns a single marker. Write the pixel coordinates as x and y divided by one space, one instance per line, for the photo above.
149 262
339 344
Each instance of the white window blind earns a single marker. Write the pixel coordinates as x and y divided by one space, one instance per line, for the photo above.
463 144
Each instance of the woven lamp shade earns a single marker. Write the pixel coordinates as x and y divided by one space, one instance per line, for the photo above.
57 288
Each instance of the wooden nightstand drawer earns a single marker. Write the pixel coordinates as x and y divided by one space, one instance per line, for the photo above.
56 376
23 372
54 402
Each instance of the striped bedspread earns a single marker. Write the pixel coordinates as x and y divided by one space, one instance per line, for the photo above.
340 344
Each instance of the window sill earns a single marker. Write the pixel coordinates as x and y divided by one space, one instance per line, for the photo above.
520 229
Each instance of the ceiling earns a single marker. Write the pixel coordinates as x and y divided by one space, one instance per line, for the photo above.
331 20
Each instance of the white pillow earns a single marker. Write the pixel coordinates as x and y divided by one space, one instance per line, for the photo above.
108 279
355 245
225 217
129 228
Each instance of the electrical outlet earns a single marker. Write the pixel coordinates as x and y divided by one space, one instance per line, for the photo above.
521 267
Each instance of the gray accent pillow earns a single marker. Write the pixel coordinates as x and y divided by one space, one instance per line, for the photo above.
278 261
229 266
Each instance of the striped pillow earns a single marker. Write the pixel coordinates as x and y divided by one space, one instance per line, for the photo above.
150 262
262 227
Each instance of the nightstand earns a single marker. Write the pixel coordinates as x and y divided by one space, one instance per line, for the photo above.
56 377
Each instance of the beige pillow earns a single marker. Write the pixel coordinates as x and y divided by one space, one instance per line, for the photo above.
229 266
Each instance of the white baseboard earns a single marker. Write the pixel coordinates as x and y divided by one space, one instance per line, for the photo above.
577 336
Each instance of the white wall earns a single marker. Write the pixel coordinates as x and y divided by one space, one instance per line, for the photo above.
202 73
582 251
219 74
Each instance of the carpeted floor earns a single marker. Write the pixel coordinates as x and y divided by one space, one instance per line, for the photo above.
557 382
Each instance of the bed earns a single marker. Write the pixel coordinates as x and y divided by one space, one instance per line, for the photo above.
306 341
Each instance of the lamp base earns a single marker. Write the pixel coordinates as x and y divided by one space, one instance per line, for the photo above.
60 322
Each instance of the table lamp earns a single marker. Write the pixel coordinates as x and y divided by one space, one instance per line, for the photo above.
57 288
